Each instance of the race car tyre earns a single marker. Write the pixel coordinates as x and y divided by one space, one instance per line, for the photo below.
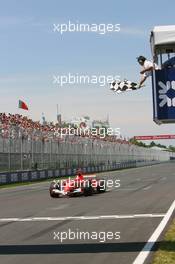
101 188
52 187
88 190
54 195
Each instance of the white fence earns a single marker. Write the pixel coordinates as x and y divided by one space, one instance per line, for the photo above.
72 152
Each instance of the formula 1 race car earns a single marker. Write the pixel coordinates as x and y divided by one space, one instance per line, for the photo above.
80 185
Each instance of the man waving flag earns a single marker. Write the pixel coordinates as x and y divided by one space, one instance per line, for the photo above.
22 105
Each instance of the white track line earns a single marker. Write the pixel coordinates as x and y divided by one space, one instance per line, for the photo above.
32 219
147 188
149 245
163 179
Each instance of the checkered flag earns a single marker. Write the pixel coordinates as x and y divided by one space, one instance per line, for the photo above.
122 86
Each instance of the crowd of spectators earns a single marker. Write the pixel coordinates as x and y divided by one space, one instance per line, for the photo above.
15 126
18 126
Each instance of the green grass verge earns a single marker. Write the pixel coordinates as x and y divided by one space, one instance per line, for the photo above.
166 251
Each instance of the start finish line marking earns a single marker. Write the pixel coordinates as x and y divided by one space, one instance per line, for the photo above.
104 217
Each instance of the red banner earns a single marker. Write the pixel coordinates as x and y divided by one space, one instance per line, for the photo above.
155 137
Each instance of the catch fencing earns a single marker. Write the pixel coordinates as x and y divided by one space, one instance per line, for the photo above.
70 152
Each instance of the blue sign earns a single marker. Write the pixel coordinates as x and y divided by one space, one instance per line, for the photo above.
163 82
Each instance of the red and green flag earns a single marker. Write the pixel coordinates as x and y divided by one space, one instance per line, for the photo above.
23 105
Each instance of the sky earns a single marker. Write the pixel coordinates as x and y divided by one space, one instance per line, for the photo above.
31 53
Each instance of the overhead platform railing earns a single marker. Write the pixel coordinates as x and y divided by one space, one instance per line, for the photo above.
163 80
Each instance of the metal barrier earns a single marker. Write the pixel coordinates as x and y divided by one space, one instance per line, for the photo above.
38 175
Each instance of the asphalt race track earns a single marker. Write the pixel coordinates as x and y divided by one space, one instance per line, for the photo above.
29 218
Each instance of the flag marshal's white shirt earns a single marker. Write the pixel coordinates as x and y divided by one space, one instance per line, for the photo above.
147 64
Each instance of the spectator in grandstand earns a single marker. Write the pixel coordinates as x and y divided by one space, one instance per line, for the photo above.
18 126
